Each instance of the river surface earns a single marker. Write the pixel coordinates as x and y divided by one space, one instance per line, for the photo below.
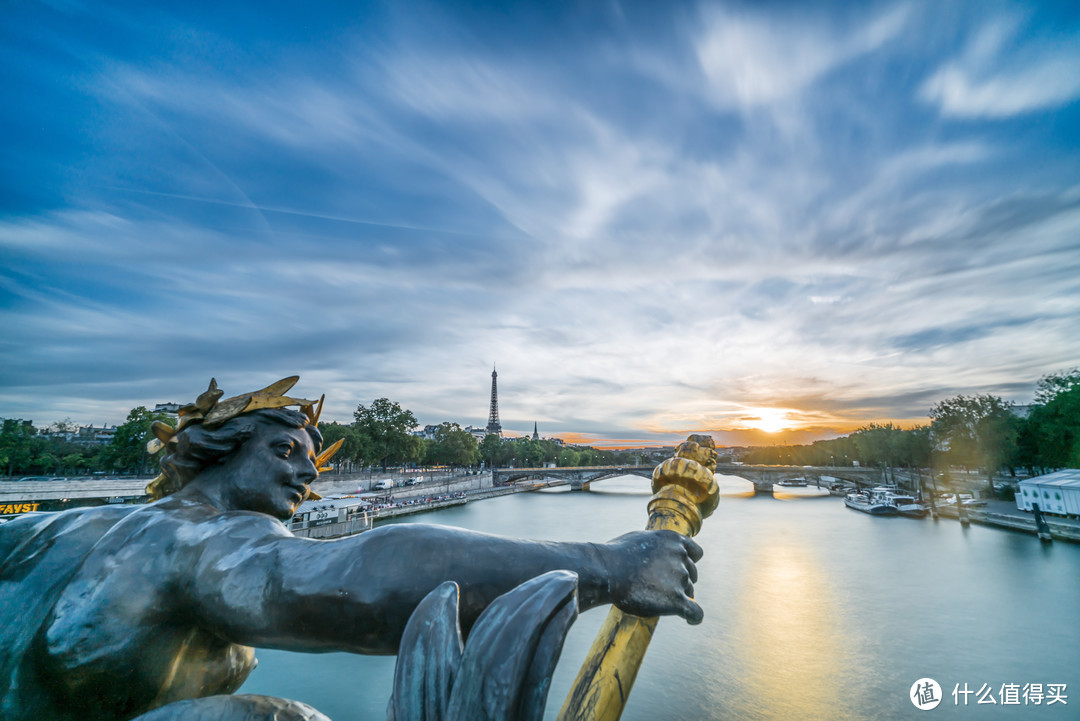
812 611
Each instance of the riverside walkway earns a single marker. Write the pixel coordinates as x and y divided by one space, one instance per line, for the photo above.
1005 514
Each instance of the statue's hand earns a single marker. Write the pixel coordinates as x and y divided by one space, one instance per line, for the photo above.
654 574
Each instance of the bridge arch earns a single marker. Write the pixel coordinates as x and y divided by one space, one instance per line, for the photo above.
763 477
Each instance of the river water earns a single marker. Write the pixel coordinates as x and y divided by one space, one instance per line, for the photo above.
812 611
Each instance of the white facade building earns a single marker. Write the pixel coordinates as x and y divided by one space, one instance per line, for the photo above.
1057 492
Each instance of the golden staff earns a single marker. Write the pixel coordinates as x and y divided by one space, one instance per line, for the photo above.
684 494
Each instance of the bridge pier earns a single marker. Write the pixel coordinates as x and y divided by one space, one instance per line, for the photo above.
579 485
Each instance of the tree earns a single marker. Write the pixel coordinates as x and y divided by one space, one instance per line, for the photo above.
494 451
385 429
530 453
16 450
73 462
1051 435
975 431
878 445
127 449
453 446
353 448
568 458
64 427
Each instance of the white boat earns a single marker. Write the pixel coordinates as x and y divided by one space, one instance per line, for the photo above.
862 502
891 495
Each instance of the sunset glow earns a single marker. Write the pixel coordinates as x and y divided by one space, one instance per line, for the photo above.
770 420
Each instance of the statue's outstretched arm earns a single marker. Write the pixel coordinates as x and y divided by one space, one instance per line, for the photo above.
356 594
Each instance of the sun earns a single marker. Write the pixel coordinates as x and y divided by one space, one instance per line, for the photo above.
770 420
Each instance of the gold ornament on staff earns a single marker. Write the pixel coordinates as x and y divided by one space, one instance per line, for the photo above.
684 494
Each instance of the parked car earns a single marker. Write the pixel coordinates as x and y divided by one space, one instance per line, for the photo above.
384 485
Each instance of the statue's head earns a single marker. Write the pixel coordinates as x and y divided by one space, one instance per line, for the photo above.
253 433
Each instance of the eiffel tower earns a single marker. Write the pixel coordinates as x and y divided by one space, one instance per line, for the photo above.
493 425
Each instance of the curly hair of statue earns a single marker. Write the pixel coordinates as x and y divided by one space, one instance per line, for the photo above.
210 429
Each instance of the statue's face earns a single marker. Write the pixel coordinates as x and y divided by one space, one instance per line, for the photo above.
271 471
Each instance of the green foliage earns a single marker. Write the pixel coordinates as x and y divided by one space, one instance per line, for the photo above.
16 450
452 446
872 445
385 431
524 452
568 458
1051 386
127 449
1051 436
495 452
353 448
975 432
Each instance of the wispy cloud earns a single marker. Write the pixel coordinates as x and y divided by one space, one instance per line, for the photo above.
753 58
653 222
1000 74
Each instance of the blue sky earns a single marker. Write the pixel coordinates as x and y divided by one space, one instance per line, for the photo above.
656 218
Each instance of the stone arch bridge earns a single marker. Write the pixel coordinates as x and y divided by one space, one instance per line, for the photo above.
763 477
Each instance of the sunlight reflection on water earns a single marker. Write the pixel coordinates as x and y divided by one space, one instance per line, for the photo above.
812 611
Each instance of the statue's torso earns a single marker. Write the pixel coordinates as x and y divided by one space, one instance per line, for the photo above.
99 629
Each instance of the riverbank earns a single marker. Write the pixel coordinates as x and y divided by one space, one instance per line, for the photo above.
1005 514
415 500
354 510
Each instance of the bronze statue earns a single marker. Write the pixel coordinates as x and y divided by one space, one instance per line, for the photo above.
113 612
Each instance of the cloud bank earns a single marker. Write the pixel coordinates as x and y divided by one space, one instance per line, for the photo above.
654 220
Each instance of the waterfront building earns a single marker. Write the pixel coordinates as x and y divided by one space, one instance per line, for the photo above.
1057 492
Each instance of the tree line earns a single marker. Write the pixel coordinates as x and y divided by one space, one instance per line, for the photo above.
979 432
26 451
976 433
380 436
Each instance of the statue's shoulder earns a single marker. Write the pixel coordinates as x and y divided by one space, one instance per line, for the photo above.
39 554
196 523
74 531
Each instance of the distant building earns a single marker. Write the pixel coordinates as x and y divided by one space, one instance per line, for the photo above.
478 433
169 409
535 435
428 432
16 422
91 436
68 436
